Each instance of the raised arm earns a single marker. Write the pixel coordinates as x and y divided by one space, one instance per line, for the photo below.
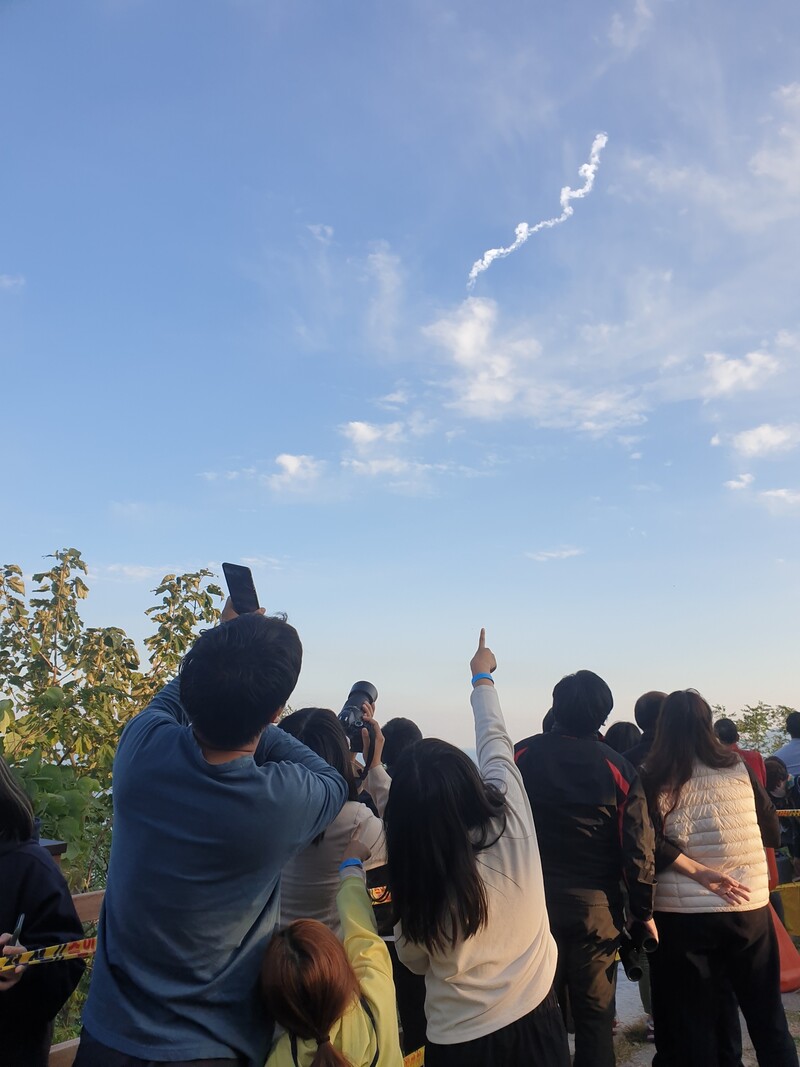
494 747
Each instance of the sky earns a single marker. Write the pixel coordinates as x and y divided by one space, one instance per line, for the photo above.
235 324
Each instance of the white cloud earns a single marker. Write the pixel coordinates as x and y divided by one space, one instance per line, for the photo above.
742 482
296 472
320 232
243 473
715 441
731 375
262 562
626 33
138 572
499 376
11 281
365 434
129 509
765 439
779 159
567 552
789 497
383 312
396 399
749 201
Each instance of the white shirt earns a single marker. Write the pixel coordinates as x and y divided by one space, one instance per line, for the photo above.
507 969
310 881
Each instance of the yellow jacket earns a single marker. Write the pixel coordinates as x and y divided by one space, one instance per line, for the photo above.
355 1035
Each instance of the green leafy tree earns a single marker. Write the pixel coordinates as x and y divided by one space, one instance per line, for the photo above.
761 726
66 691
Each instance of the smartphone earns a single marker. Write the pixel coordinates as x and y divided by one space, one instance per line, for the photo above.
241 588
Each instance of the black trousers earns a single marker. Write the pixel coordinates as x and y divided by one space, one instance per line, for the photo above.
26 1047
700 959
92 1053
537 1038
587 935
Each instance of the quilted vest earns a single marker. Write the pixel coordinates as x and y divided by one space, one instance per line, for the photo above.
715 823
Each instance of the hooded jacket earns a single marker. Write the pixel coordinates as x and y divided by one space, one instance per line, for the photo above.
591 818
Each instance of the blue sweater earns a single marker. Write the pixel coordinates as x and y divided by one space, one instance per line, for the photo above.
193 886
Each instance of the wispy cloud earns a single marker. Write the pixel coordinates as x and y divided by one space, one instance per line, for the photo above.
627 30
320 232
384 271
732 375
366 434
138 572
750 200
742 482
767 439
11 281
262 563
566 552
787 497
501 375
297 473
130 509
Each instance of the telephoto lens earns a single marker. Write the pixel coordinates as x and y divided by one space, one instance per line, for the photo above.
352 717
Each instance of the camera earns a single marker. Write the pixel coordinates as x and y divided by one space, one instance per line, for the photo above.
634 944
351 715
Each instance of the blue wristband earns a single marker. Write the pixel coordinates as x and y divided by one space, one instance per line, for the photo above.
477 678
350 863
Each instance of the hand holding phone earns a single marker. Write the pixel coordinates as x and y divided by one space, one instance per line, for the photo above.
241 587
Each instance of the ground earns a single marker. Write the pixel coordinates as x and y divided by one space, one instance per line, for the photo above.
633 1050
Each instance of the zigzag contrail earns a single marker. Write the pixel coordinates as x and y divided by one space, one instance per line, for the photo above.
524 231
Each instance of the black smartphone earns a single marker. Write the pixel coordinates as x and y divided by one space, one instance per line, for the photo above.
241 588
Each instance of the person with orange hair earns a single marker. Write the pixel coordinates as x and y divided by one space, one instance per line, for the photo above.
335 999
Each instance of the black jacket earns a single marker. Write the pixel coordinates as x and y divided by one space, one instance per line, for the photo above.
31 882
591 819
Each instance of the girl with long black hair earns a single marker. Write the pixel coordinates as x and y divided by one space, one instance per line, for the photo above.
466 883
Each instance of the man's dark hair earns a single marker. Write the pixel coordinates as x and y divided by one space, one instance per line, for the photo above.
726 731
581 703
776 770
622 736
398 734
647 709
237 677
793 723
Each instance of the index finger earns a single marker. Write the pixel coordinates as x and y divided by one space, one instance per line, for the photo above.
482 638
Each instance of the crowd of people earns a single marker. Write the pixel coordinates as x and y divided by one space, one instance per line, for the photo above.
238 928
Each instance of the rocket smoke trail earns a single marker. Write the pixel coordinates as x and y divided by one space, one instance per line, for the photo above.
587 171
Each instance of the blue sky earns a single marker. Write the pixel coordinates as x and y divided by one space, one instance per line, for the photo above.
234 324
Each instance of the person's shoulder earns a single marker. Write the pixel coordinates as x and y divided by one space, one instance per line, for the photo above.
617 761
35 860
528 744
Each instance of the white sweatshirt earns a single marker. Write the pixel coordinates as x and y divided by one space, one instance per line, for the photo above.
507 969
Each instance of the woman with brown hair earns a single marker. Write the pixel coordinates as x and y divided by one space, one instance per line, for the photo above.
715 932
335 999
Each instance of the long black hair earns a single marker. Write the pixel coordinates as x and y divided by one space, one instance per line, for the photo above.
440 816
684 736
16 812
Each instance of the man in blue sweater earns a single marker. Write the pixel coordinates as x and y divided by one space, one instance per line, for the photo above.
210 801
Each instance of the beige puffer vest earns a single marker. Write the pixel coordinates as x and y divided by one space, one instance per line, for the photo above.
715 823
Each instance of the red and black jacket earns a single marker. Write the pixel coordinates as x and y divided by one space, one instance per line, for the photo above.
591 818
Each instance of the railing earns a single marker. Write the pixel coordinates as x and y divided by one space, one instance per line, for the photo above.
87 905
